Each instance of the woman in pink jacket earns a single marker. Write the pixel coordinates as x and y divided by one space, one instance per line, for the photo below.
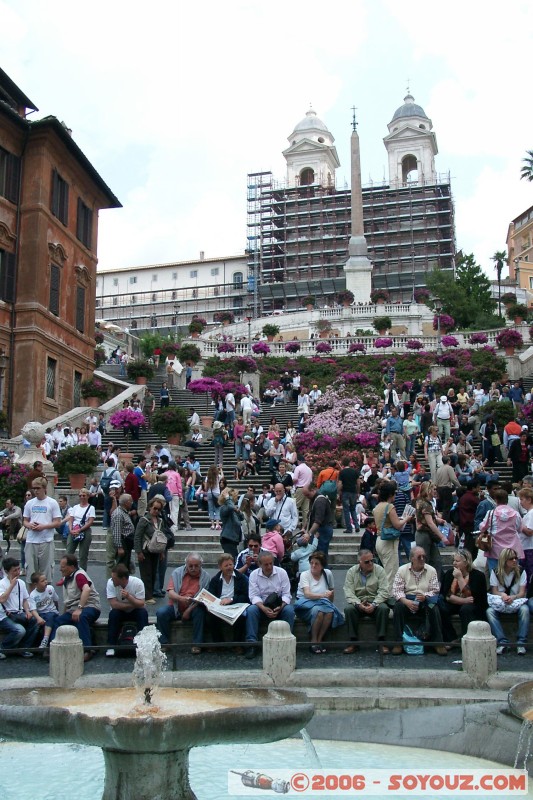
175 488
504 523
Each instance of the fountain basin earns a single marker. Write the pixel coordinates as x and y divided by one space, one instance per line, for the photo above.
178 720
520 700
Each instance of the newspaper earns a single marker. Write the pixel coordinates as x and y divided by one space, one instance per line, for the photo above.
229 613
408 511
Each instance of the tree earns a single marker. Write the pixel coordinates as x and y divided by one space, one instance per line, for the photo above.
499 258
468 296
527 170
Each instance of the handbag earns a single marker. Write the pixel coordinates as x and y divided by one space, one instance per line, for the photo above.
387 533
21 535
484 538
413 646
495 440
157 543
274 600
77 535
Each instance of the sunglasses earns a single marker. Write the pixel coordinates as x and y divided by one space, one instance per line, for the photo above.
368 561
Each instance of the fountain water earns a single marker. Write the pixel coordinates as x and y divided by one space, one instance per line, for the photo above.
145 745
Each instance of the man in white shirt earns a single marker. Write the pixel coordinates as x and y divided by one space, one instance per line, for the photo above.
282 509
301 478
41 516
193 419
230 409
94 437
246 408
265 581
126 596
57 436
16 620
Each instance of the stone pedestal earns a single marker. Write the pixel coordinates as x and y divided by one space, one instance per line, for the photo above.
279 652
33 432
147 776
66 657
479 652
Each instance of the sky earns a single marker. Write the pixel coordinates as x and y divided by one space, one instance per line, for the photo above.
174 103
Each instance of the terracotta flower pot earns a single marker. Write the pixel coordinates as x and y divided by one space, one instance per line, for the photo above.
518 320
77 481
510 350
174 438
207 422
195 335
92 402
380 301
141 380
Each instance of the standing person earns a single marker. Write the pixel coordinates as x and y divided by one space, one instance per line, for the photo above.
140 473
148 408
230 410
81 602
213 493
109 475
444 417
246 408
427 533
321 518
175 487
301 478
519 456
387 523
119 543
164 395
16 619
491 442
348 487
80 520
394 428
525 496
433 450
282 509
446 481
231 518
467 506
220 437
410 431
41 517
125 594
504 523
149 554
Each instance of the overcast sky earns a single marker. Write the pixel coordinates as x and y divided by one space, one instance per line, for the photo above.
174 103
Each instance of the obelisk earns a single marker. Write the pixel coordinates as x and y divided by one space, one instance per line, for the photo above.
358 268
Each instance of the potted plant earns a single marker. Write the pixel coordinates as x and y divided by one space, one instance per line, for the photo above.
346 298
246 364
225 347
195 328
447 323
126 419
189 353
509 339
170 424
517 312
292 347
98 337
422 296
379 296
324 327
309 302
99 356
140 372
478 338
509 298
76 463
386 341
450 341
94 391
382 324
270 330
260 348
323 347
414 344
206 386
170 348
225 317
357 347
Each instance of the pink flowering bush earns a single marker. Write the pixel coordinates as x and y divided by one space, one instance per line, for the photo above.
446 322
478 338
323 347
450 341
126 418
489 349
414 344
509 338
13 483
292 347
225 347
357 347
384 341
204 385
261 348
354 377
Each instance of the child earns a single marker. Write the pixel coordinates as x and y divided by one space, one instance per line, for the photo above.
272 539
251 464
44 603
240 469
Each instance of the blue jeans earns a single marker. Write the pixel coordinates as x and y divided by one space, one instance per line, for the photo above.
410 444
117 619
108 502
254 615
349 501
213 508
497 630
18 635
159 584
325 535
165 616
87 617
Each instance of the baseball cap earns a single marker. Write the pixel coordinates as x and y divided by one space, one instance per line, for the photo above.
443 398
270 524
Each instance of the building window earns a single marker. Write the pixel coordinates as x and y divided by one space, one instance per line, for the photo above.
115 281
193 273
217 291
154 278
133 299
133 279
114 301
307 177
7 276
215 271
76 390
55 286
195 293
237 280
97 302
133 323
84 224
59 204
238 302
80 309
154 297
174 276
174 295
51 369
9 176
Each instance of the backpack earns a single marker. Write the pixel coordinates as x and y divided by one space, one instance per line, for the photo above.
127 634
329 490
105 480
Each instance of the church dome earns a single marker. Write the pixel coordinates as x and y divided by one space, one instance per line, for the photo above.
311 122
409 109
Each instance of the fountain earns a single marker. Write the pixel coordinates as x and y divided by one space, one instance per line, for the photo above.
146 732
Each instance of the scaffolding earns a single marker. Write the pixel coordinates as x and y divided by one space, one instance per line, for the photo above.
298 238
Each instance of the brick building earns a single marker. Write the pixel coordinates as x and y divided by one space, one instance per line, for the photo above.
50 196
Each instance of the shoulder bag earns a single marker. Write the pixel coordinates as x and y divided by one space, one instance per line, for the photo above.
387 533
157 543
484 538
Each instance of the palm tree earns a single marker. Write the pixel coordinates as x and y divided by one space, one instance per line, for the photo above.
499 257
527 170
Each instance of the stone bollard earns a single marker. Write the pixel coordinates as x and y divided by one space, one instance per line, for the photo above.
479 652
66 657
279 652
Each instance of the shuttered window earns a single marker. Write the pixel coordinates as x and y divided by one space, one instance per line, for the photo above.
76 394
84 224
7 276
9 176
55 287
80 309
51 369
59 202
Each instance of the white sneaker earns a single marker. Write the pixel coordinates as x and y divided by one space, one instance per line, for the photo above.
110 653
2 656
501 649
520 650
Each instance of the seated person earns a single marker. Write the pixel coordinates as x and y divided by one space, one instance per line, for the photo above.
44 603
267 583
314 604
81 602
16 620
463 593
10 522
240 469
231 587
508 586
273 539
416 589
185 583
125 594
366 591
248 559
195 439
